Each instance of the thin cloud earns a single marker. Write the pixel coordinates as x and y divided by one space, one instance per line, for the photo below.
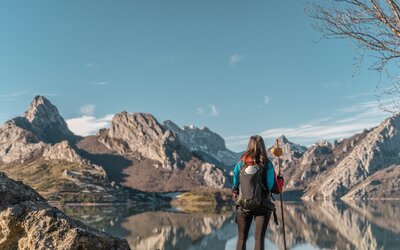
100 83
91 65
15 94
343 123
87 110
210 110
235 59
359 95
200 111
336 84
267 99
88 125
214 111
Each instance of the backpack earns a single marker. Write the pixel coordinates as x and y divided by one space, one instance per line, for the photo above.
250 187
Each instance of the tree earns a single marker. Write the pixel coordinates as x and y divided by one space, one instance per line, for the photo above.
374 26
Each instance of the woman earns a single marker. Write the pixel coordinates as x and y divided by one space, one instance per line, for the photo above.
254 160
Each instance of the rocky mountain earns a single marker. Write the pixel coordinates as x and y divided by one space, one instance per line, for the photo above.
138 153
27 221
141 132
383 184
379 149
348 168
135 152
153 157
26 137
292 154
39 149
205 143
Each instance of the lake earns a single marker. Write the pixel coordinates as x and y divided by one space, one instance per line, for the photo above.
309 225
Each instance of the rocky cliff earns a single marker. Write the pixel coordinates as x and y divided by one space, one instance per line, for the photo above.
141 132
28 222
39 149
203 142
378 149
348 168
26 137
155 159
44 120
139 152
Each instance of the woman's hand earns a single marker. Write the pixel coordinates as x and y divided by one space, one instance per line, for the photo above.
235 194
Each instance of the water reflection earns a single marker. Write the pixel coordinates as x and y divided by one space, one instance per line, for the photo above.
355 225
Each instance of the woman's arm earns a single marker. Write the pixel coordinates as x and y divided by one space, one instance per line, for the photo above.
236 173
274 184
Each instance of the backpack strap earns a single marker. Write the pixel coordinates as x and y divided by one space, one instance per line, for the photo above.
243 167
261 178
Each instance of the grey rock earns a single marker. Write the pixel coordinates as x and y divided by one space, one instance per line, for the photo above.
376 150
141 132
27 221
207 144
212 176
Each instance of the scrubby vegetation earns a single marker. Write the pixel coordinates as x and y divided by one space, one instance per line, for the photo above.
203 199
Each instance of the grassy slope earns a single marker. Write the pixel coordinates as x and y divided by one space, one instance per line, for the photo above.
202 199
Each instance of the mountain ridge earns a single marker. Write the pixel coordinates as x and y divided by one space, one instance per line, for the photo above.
139 152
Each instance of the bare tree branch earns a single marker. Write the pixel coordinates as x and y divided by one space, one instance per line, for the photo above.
374 26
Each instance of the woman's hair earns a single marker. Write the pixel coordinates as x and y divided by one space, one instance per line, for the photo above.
256 151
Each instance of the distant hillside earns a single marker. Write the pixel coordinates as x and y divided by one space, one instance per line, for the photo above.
364 166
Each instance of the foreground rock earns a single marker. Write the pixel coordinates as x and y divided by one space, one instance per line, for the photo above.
28 222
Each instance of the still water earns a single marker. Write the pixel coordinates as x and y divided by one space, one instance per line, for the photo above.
356 225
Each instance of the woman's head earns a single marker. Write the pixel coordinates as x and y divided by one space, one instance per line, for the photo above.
255 152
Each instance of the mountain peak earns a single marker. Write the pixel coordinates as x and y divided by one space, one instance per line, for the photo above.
46 122
41 107
141 132
283 139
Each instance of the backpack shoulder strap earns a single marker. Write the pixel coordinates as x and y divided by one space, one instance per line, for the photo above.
243 167
263 177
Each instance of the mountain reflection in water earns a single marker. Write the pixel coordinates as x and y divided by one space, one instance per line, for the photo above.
309 225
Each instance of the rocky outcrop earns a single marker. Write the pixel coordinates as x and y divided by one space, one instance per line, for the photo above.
383 184
25 138
17 143
204 143
300 172
46 122
293 151
63 151
28 222
141 132
212 176
379 149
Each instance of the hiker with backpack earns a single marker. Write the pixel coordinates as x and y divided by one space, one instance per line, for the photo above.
254 181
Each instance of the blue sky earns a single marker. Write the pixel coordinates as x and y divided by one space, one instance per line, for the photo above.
235 67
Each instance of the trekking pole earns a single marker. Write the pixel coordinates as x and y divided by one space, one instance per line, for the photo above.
277 151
